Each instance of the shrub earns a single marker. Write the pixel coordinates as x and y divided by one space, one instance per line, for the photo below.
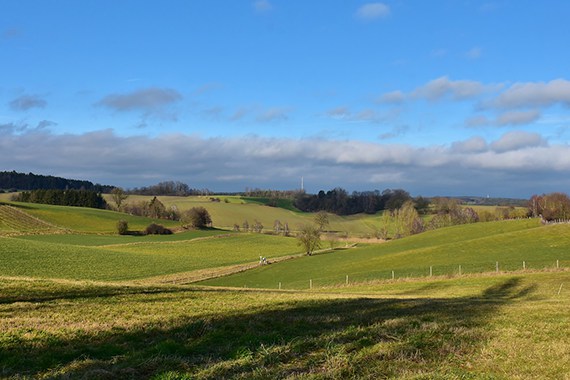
122 227
157 229
196 217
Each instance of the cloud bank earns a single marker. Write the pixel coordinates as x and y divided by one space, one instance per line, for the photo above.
517 164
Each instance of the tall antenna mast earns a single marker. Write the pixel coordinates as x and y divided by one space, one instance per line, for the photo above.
302 184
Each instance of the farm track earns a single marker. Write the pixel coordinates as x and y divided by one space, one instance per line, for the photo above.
19 222
210 273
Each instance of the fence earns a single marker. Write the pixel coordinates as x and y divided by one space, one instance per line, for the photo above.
424 272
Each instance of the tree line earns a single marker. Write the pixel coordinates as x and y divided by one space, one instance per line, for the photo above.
170 188
71 197
339 201
13 181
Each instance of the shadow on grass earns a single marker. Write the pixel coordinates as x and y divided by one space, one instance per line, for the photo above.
324 338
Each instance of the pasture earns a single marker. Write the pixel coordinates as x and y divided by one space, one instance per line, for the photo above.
78 301
505 326
127 258
235 210
476 248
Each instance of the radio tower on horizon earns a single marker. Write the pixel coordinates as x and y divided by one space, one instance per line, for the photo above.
302 184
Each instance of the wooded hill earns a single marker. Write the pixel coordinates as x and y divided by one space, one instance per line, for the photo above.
20 181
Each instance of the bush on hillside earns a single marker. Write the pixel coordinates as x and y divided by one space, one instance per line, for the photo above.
196 217
157 229
122 227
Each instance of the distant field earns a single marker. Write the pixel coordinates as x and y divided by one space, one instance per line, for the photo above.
236 210
89 220
102 240
475 247
496 327
91 258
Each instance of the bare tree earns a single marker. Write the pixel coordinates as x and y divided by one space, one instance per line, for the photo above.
257 226
321 219
277 226
309 238
118 195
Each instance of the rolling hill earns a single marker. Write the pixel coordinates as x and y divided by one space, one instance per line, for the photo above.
475 247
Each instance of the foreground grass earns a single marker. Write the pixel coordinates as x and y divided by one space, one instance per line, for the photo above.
505 327
63 256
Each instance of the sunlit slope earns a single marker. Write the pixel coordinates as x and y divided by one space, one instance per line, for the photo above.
134 260
15 220
232 210
84 219
476 248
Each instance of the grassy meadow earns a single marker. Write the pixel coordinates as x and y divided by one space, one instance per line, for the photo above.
79 301
488 327
476 248
128 258
235 210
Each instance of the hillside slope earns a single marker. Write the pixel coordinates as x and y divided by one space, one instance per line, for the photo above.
14 220
476 248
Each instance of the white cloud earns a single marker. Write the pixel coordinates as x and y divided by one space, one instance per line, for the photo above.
444 87
517 140
339 112
151 101
364 115
509 165
273 114
517 117
262 5
395 132
372 11
534 94
147 99
474 53
26 102
393 97
239 114
472 145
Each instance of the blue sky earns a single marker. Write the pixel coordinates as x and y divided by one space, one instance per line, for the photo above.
439 98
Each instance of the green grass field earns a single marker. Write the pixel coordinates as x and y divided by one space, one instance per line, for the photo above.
82 302
475 247
88 219
498 327
237 209
114 258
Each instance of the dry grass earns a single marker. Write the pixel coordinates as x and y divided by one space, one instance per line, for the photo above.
491 327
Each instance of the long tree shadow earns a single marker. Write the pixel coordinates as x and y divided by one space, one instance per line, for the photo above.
338 338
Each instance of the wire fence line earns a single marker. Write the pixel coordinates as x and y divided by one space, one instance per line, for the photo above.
424 272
